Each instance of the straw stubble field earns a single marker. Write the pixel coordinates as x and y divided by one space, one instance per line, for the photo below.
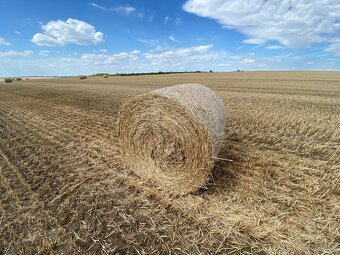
63 189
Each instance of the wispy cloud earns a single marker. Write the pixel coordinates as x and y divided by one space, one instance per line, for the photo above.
191 58
12 53
98 6
100 50
334 47
44 53
154 44
172 38
274 47
125 10
254 41
3 42
151 18
247 61
178 21
181 52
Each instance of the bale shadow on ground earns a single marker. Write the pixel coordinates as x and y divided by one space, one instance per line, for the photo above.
224 175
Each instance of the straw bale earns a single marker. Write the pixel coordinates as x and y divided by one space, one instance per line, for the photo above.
170 136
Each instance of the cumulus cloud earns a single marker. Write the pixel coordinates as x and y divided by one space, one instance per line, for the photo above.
71 31
12 53
4 42
105 59
293 23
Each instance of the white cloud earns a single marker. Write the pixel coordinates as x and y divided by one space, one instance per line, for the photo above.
176 21
101 50
186 56
172 38
135 52
71 31
155 44
125 10
334 47
247 61
98 6
17 32
12 53
254 41
105 59
273 47
44 53
293 23
4 42
181 52
201 57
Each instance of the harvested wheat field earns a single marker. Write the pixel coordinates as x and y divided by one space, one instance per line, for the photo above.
64 190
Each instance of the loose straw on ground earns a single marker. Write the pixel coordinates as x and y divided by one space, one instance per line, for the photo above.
171 136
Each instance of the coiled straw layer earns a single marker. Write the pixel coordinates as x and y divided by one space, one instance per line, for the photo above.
171 135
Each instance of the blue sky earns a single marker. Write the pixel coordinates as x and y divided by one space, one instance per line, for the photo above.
83 37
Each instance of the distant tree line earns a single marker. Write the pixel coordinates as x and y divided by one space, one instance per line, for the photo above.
143 73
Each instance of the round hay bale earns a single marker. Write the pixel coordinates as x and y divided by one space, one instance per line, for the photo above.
170 136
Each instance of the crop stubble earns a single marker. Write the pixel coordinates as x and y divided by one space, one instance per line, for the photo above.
62 189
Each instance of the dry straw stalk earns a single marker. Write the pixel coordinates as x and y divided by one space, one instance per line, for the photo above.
170 136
